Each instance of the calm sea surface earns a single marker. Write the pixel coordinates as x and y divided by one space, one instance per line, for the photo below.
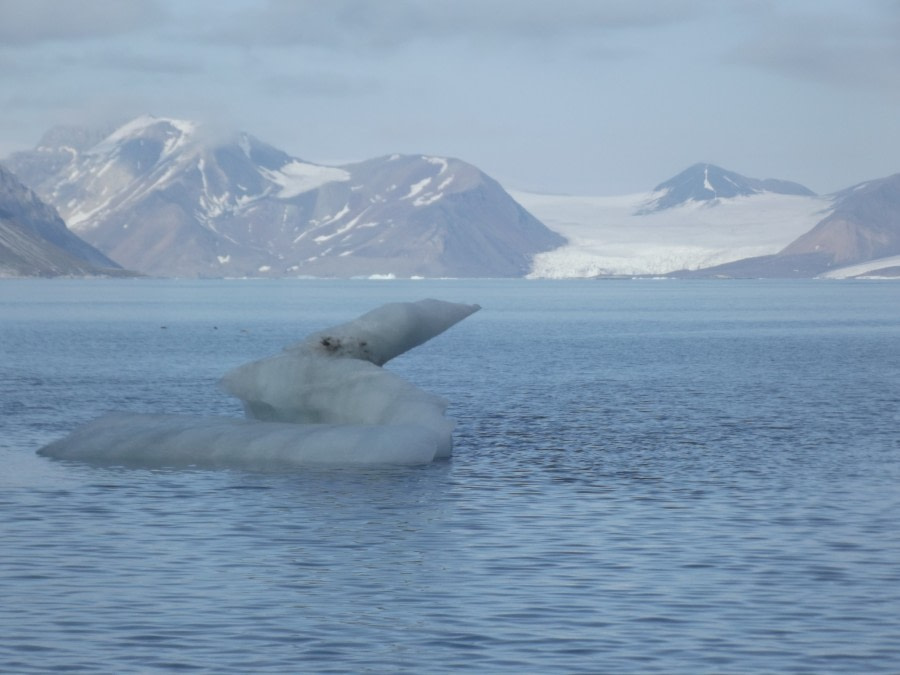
673 477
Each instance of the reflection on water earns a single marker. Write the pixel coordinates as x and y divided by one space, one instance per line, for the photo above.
648 478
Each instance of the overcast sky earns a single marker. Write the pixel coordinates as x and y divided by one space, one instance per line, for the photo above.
571 96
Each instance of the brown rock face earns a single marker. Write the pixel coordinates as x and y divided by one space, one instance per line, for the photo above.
865 225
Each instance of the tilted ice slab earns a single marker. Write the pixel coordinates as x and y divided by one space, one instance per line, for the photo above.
325 400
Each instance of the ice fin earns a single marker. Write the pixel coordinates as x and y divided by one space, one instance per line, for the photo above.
388 331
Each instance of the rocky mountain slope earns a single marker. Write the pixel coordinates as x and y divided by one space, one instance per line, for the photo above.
861 228
864 225
34 241
167 198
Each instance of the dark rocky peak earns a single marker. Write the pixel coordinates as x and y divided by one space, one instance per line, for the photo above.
709 183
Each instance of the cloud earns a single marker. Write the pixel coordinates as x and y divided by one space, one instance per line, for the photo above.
319 85
858 46
364 25
24 22
150 64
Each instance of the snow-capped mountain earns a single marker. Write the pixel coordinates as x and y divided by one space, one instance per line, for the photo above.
165 197
34 241
711 184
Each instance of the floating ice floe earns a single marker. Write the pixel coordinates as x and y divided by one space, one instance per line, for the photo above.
324 400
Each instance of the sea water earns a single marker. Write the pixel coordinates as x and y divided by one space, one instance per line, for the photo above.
649 476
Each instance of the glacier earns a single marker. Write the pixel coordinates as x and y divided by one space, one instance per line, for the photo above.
609 236
325 400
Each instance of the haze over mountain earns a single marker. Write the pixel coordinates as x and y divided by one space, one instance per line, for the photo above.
165 197
34 241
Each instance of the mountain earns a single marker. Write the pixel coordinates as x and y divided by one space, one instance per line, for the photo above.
863 226
709 183
34 241
168 198
54 153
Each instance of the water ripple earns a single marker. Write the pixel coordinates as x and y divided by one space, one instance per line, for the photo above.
689 492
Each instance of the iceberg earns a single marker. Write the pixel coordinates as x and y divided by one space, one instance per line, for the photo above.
324 400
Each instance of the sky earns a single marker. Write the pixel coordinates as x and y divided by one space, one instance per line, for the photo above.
584 97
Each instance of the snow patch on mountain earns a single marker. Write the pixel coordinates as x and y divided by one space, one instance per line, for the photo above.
706 183
298 177
417 188
427 199
183 130
868 269
438 161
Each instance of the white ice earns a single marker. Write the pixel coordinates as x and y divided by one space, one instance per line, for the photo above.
141 440
324 400
298 177
416 188
868 269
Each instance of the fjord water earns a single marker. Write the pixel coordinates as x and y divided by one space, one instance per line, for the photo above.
649 476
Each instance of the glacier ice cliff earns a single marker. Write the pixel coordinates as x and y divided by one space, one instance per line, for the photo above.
324 400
